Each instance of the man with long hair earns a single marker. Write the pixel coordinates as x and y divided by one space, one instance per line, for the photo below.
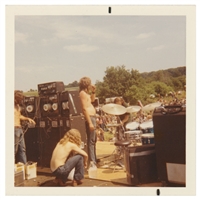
87 96
68 155
20 147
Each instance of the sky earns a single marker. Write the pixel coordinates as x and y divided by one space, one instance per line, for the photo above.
66 48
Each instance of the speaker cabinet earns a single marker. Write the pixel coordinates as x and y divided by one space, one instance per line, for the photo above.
48 138
50 135
45 89
140 163
32 144
70 103
170 143
31 107
50 106
78 122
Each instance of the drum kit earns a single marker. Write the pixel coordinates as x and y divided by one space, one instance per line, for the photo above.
137 133
132 132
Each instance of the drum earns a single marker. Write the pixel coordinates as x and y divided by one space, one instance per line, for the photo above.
147 127
133 135
132 125
147 138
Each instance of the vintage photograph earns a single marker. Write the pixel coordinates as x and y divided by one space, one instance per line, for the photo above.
100 99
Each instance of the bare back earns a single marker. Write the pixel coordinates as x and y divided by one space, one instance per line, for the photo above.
61 153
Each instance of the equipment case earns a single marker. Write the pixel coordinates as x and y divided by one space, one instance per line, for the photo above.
170 144
140 163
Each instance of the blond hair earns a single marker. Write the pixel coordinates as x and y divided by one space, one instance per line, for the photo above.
84 83
73 136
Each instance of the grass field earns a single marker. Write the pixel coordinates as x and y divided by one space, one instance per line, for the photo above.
35 93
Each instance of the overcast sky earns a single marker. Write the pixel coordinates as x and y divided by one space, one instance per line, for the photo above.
66 48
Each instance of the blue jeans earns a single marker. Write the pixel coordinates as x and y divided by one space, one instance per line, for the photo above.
20 147
63 171
91 140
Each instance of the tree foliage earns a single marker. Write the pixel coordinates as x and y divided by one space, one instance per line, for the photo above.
134 86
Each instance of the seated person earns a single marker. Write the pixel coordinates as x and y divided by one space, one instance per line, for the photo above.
124 118
68 155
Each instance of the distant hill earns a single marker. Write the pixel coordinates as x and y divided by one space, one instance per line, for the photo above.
171 72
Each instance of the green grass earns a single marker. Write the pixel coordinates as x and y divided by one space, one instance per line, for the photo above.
31 93
108 136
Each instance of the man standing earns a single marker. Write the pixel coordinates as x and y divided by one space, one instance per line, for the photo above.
87 96
20 148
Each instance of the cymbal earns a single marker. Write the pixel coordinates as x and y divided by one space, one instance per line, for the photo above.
133 109
151 107
114 109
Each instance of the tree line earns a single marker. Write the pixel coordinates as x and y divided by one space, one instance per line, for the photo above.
134 86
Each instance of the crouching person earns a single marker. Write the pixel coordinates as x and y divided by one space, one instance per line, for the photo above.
66 156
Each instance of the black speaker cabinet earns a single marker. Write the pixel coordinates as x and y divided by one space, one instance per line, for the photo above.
50 106
45 89
53 129
48 138
78 122
170 143
70 103
32 144
140 163
31 107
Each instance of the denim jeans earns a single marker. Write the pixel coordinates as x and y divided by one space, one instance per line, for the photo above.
20 147
91 140
63 171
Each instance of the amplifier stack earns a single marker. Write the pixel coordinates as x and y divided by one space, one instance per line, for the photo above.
56 111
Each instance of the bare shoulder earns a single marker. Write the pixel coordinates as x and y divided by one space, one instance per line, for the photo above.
82 93
71 145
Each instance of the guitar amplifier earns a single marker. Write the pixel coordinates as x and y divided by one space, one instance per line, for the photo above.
31 107
70 103
140 163
50 88
50 106
170 144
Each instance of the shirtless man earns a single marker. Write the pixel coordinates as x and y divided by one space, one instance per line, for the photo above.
20 147
66 156
87 95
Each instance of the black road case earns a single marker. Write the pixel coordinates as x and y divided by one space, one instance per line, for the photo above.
170 143
140 163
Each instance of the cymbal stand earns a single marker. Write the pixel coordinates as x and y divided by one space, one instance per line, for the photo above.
119 150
